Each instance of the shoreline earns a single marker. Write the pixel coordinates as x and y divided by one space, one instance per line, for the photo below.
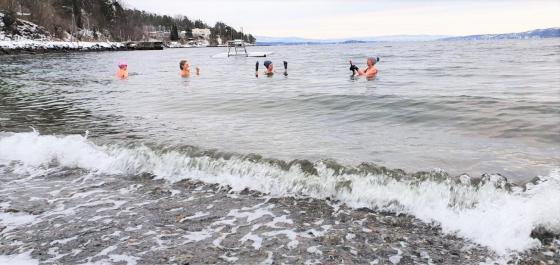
8 52
65 47
138 218
9 47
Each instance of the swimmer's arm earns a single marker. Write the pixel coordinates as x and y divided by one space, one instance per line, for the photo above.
371 73
360 72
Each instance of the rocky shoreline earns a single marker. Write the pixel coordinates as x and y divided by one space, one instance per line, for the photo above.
68 217
37 47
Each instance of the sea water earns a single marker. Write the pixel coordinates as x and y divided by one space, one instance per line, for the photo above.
463 134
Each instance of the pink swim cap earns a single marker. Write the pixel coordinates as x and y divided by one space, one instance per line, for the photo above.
121 64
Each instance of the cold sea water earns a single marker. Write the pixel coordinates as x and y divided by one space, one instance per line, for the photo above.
461 136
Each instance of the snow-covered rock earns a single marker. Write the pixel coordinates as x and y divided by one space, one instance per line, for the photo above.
23 44
22 29
26 36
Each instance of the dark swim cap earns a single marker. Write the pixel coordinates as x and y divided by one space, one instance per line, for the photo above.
267 63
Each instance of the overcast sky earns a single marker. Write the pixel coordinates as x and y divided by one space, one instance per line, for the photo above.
323 19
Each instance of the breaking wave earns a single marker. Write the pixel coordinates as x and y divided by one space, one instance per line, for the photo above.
488 210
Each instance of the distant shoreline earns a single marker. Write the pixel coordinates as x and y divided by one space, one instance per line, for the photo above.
548 33
264 44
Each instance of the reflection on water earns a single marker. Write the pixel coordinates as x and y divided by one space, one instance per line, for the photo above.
469 107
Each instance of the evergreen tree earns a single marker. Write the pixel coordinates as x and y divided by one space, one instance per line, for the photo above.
251 39
199 24
174 33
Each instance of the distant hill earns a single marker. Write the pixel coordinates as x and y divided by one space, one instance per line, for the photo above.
532 34
264 40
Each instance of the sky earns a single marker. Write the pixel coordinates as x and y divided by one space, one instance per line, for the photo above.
328 19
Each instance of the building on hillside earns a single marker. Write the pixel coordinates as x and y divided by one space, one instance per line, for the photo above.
201 34
159 35
183 35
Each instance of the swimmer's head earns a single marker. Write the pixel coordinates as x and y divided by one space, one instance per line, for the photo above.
182 64
267 64
371 61
123 65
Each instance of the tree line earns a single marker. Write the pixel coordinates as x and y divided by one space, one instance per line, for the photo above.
109 19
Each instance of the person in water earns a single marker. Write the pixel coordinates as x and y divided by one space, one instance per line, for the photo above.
369 72
269 68
122 73
185 69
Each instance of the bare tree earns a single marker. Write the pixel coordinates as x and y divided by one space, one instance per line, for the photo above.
77 11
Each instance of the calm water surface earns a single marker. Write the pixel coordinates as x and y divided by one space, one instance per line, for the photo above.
464 107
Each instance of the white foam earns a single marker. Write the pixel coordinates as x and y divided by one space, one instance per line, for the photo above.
269 258
133 228
106 251
84 194
117 205
314 250
70 151
279 220
64 241
130 260
426 256
198 235
290 234
500 220
15 220
317 233
19 259
195 216
99 217
56 255
396 259
251 216
114 258
229 259
257 240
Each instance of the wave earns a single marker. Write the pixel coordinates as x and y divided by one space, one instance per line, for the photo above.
488 210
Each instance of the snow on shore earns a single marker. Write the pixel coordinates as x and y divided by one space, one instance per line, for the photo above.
26 36
58 45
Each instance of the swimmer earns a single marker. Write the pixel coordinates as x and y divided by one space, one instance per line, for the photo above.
369 72
185 69
269 71
269 68
122 73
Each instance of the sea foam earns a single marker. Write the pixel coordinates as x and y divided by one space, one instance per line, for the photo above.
487 213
